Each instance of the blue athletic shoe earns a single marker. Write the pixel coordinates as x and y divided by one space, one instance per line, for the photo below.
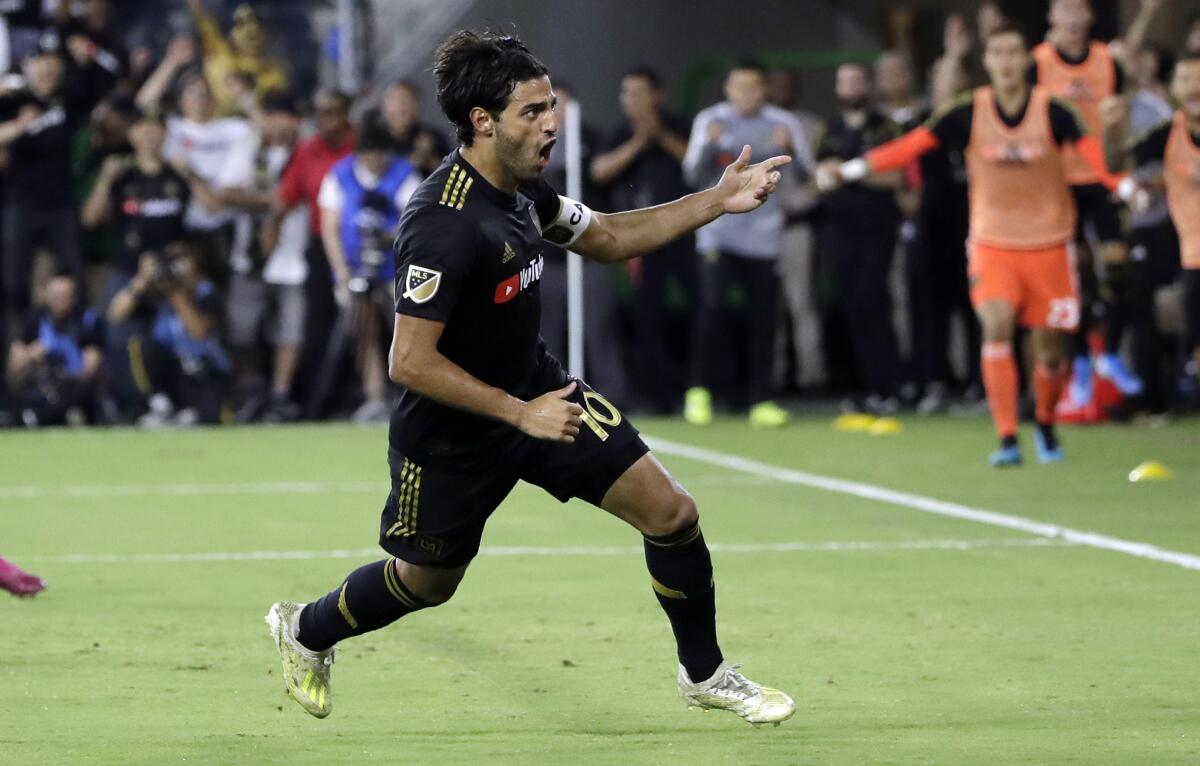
1081 381
1111 368
1005 457
1045 455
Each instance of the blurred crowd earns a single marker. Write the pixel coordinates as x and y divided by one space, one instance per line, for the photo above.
192 235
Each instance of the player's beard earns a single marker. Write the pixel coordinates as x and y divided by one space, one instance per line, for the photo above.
520 160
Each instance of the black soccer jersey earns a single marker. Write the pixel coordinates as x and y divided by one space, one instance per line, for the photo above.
471 256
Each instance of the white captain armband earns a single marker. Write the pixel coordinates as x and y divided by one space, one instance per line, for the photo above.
572 220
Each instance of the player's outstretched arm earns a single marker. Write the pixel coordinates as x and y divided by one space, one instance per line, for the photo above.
415 362
620 236
885 158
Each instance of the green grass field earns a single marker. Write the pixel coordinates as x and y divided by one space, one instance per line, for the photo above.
906 637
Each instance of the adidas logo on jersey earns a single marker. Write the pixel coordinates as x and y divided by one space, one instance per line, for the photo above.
514 285
509 253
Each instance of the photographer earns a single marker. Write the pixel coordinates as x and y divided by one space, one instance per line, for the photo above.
175 364
53 366
360 200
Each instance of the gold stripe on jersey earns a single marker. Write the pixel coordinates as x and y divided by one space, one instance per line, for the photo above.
462 177
454 171
463 197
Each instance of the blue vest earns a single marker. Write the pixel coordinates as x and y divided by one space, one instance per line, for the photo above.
192 352
370 219
65 345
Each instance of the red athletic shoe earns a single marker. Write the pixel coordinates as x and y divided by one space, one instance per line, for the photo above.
18 582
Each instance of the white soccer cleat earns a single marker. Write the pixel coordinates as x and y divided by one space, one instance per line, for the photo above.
732 691
305 672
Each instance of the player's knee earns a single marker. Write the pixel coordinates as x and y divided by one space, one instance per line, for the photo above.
677 514
433 586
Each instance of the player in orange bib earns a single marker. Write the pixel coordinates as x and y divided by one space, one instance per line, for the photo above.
1085 72
1175 147
1022 224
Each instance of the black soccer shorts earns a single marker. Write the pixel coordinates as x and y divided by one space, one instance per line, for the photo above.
435 516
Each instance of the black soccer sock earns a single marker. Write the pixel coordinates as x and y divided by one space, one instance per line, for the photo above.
1049 436
371 597
682 577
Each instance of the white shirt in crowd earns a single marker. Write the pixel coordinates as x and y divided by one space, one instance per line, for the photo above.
286 264
206 148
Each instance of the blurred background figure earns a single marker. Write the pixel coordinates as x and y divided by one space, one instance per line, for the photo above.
268 303
603 363
361 200
641 164
804 368
37 122
243 54
54 366
399 111
739 280
175 362
860 222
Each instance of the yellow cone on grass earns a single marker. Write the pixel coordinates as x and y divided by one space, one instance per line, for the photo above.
1150 471
853 422
885 427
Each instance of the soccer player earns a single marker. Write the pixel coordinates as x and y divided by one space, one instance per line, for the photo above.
486 406
1085 72
18 582
1022 219
1173 147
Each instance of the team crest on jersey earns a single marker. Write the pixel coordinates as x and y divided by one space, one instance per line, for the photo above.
421 284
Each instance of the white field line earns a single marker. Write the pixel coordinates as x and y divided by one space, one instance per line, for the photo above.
105 491
188 490
925 504
577 550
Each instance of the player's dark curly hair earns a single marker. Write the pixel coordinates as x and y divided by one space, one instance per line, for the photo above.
475 69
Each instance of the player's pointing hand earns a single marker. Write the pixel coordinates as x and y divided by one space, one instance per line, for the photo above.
552 416
744 187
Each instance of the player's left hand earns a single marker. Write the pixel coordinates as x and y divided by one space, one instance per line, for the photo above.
744 187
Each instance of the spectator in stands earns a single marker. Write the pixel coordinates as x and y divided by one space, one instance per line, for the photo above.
400 111
858 234
241 54
602 364
1154 242
739 283
361 200
300 186
36 125
175 358
142 199
99 59
798 270
894 76
200 146
938 275
269 300
53 367
106 135
26 23
314 156
641 164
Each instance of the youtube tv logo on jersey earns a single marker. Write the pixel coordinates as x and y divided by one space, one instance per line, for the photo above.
514 285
